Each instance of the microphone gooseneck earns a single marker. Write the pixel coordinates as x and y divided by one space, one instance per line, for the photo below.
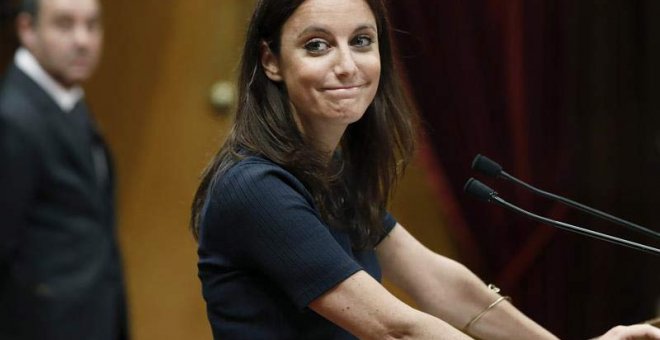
483 192
490 168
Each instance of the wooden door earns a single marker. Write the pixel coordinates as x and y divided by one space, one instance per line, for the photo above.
151 98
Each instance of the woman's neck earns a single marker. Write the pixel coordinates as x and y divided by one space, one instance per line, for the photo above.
325 136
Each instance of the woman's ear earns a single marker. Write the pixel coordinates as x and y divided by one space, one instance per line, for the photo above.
270 63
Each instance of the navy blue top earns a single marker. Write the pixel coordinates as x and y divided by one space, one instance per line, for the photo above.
265 254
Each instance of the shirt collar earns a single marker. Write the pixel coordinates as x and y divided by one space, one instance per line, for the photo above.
65 98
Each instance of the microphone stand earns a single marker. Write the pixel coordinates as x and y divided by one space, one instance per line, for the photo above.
485 193
488 167
576 229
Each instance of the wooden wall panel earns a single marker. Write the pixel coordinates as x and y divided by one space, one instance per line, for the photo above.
150 96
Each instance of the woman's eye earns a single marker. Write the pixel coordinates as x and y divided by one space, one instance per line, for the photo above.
362 41
317 46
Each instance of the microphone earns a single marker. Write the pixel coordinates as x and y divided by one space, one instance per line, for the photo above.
490 168
485 193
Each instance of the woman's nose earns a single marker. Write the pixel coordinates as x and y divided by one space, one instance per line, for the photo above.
345 64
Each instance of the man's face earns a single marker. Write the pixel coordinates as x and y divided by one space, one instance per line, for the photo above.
66 38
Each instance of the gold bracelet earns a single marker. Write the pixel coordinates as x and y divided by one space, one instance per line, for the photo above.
483 312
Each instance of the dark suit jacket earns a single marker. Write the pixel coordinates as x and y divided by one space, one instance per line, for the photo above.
60 271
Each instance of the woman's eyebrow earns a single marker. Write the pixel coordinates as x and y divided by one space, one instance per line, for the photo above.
321 29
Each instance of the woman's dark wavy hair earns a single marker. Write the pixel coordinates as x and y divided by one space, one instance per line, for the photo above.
353 191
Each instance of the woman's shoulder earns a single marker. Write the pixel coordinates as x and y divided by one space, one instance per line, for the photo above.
251 167
257 173
252 187
256 162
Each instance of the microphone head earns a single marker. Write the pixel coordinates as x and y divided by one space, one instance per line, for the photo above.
479 190
486 166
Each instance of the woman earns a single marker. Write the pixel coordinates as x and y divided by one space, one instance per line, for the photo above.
290 215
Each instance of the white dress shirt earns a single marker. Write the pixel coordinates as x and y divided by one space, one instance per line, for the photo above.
65 98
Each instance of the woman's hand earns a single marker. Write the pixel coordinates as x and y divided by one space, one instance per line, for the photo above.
631 332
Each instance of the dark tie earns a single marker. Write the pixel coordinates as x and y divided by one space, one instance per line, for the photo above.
93 142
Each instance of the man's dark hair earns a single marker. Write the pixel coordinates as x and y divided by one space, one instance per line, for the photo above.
30 7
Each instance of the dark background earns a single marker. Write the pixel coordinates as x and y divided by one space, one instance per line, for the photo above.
8 41
565 95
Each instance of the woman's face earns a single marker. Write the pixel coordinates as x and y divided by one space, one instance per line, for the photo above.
328 61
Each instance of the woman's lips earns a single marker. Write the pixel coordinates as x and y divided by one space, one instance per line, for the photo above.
343 91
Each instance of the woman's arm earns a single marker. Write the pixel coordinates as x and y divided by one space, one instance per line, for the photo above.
444 290
448 290
362 306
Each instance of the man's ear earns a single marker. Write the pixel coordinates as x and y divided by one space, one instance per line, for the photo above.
26 30
270 63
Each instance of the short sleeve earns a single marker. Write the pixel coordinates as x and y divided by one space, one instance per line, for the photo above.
261 216
389 222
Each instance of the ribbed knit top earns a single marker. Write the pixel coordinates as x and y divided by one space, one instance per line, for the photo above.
265 254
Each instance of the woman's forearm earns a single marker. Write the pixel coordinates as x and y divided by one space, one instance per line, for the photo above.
465 297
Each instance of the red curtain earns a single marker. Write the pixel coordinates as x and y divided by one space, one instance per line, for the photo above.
514 80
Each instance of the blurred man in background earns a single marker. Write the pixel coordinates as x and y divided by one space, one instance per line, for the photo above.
60 270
